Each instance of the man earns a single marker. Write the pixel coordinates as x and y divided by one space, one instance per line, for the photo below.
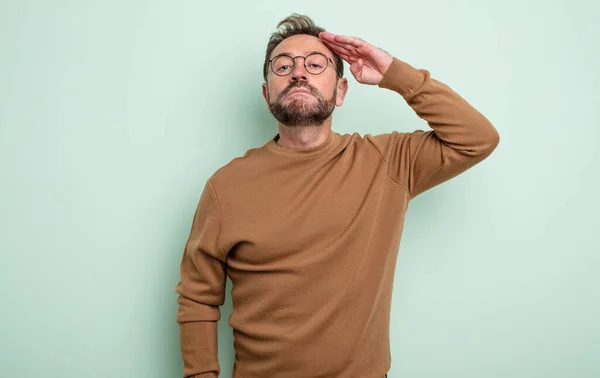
308 225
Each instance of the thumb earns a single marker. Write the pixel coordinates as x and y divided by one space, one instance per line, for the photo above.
356 67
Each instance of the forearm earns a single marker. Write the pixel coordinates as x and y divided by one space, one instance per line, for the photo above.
197 317
461 136
202 289
199 349
455 122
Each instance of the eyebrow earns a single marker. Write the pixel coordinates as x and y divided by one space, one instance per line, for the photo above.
305 53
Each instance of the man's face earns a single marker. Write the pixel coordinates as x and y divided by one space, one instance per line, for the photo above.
287 96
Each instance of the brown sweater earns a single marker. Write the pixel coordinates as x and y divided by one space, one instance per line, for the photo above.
310 237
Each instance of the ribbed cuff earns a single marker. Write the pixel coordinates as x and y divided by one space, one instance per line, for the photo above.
403 78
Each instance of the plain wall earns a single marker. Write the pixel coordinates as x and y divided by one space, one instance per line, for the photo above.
113 114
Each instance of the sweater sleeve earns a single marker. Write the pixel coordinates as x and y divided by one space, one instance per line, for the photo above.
201 289
461 136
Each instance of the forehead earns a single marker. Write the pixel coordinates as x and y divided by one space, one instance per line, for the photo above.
301 44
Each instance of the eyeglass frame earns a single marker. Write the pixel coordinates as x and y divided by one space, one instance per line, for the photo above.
270 62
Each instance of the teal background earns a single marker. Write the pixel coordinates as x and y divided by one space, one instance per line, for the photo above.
114 113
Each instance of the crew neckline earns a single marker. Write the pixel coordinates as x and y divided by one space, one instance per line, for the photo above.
303 152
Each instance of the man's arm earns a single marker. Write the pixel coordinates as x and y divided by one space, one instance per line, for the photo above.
461 136
202 289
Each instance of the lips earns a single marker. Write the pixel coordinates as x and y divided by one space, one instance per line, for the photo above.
299 91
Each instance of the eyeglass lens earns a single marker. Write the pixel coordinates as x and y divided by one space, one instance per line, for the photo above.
314 63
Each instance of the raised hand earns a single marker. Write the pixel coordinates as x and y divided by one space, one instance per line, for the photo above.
367 62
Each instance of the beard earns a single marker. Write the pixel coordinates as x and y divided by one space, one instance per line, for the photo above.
303 110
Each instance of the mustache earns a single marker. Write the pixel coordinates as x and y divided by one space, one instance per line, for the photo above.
299 84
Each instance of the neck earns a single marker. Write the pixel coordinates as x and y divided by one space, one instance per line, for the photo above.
303 136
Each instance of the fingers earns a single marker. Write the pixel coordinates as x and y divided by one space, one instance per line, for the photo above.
337 47
349 48
335 39
341 39
346 52
327 36
341 51
352 41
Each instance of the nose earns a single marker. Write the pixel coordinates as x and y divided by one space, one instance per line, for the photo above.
299 72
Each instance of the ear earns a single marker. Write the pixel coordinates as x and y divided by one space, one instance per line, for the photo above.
265 92
342 88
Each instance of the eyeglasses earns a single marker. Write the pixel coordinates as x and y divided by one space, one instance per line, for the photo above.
315 63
